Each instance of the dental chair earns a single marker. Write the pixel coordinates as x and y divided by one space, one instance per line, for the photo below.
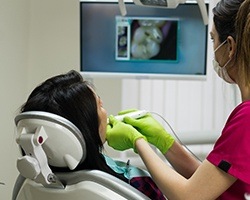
48 140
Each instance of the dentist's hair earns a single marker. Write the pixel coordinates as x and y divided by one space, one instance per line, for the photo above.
243 42
225 13
70 96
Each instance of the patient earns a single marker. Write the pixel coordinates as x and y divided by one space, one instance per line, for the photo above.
75 99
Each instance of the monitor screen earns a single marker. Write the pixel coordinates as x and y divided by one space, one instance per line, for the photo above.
146 39
146 43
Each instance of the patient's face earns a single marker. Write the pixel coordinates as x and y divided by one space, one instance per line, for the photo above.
102 114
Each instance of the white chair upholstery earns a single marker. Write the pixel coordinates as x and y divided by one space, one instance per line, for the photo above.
48 139
81 185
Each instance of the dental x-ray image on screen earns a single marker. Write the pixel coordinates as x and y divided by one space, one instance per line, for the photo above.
174 47
143 38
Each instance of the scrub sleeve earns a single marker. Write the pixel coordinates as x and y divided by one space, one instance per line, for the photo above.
231 152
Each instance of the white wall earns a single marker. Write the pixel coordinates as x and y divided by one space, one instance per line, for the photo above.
54 46
53 39
14 17
196 110
39 39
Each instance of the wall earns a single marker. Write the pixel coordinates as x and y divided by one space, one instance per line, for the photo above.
55 47
14 17
40 39
53 39
190 106
196 110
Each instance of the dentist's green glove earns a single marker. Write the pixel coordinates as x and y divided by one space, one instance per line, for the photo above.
153 130
121 136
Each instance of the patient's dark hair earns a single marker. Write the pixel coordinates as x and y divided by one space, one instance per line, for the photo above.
71 97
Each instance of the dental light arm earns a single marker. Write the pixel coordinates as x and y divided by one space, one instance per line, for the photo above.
165 4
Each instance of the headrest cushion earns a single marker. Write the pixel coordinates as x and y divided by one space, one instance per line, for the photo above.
65 145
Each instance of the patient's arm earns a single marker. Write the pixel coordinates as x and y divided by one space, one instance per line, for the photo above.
181 160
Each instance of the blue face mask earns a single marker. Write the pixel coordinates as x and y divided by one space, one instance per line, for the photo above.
222 71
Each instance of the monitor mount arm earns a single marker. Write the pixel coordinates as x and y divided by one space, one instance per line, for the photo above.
165 4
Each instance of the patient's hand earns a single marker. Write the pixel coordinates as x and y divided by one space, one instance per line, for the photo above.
121 136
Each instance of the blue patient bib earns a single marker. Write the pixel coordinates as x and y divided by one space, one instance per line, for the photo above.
125 168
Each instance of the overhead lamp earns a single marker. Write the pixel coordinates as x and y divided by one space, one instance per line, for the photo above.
165 4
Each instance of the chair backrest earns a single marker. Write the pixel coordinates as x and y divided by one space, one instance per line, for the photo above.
80 185
48 139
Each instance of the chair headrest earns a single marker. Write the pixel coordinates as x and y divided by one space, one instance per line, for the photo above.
42 133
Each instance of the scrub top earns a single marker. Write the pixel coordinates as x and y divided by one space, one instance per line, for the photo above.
231 152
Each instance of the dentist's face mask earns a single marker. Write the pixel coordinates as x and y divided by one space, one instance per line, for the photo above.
222 71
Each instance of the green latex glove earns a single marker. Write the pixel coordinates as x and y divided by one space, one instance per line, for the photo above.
121 136
152 129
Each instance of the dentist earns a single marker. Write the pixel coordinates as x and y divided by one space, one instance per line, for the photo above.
225 173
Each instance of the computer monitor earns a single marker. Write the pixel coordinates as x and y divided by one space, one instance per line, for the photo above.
152 43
